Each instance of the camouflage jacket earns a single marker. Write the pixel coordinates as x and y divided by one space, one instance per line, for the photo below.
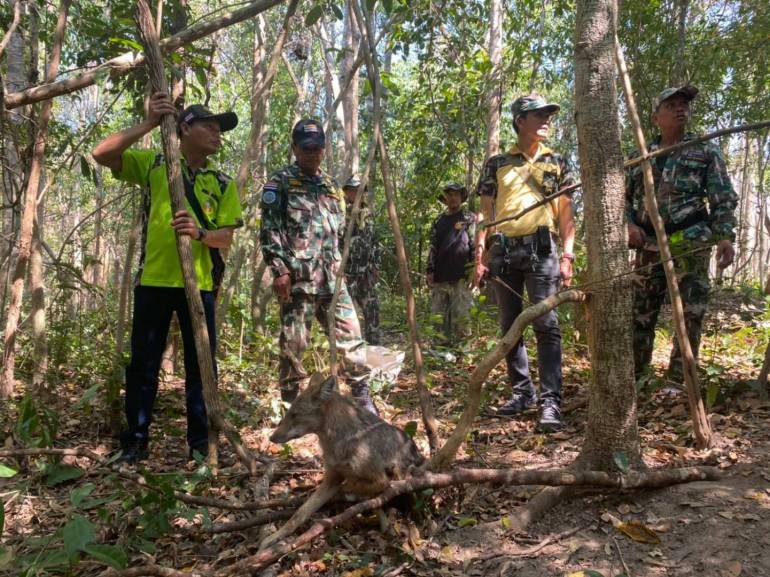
467 221
302 227
364 257
689 179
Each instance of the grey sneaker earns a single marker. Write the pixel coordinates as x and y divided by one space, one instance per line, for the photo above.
550 417
517 405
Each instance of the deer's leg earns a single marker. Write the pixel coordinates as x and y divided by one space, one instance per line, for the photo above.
328 488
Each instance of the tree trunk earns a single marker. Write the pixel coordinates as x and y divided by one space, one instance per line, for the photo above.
679 74
611 426
7 379
37 300
350 99
495 94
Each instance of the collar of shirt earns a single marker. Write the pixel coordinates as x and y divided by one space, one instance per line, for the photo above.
541 150
192 174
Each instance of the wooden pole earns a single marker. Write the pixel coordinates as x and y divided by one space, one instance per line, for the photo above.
176 190
370 54
704 437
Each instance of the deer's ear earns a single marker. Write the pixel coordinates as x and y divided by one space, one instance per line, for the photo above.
328 387
316 379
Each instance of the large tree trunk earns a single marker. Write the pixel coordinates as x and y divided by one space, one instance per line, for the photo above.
612 425
7 380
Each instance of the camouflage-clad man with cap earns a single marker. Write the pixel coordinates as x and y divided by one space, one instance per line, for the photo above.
362 270
302 230
523 252
697 203
450 262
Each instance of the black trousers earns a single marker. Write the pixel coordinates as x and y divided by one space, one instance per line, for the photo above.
153 308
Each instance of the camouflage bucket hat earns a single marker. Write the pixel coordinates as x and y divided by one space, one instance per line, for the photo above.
688 91
524 104
454 186
352 182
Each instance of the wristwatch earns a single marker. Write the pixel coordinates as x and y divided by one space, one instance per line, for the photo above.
202 232
569 256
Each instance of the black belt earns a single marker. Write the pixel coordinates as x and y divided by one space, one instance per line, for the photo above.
521 240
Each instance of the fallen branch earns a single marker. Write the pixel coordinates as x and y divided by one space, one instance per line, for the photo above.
447 453
555 477
255 521
125 63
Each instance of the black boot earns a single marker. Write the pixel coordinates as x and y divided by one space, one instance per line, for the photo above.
133 450
362 396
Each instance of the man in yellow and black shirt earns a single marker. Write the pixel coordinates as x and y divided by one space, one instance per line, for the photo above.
523 251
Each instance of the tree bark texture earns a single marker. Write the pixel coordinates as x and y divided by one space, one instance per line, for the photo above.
612 417
125 63
7 379
176 189
700 422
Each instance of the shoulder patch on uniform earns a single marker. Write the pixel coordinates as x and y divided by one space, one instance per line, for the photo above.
270 186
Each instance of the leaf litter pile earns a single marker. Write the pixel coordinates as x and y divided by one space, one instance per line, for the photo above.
79 514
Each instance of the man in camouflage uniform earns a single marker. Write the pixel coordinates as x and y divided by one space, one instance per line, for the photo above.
685 181
450 262
302 228
522 252
363 267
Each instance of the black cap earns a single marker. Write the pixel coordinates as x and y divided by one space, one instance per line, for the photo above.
307 133
227 120
454 186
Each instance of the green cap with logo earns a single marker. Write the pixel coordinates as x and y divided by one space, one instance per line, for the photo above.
352 182
530 102
688 91
454 186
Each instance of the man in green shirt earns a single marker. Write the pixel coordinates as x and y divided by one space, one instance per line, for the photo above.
214 211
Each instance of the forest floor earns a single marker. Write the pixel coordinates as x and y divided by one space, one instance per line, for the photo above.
719 529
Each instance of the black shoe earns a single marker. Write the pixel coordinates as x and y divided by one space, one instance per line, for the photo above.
133 451
517 405
550 417
362 396
289 392
201 449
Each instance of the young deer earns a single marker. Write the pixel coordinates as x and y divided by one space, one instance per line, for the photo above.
361 452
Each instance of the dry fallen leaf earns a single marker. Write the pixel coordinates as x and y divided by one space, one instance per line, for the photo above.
638 532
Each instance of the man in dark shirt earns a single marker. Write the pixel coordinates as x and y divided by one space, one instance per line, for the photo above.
450 258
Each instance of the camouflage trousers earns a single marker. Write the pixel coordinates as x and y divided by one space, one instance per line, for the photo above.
452 300
363 290
650 290
296 324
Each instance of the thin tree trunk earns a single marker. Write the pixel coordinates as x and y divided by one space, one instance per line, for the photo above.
495 94
260 294
7 379
195 304
700 422
611 424
370 53
96 275
118 370
37 301
679 73
350 99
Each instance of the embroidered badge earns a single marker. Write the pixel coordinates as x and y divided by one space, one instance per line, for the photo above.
295 182
459 225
